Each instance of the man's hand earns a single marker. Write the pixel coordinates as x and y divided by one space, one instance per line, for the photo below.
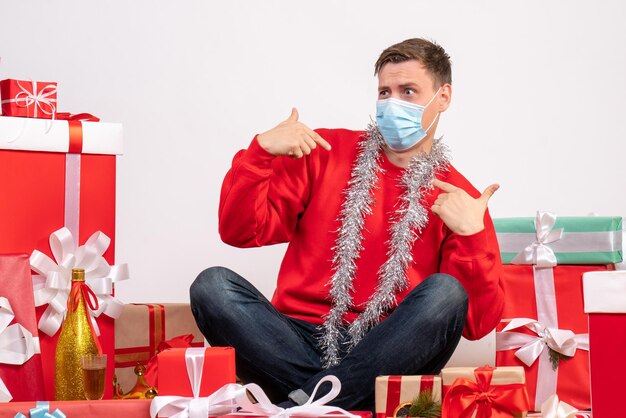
459 211
291 138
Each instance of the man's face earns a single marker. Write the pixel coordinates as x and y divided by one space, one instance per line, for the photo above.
411 82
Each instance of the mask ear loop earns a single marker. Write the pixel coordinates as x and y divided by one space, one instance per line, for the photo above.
438 113
432 123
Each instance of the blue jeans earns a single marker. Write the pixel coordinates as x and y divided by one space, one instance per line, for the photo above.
281 354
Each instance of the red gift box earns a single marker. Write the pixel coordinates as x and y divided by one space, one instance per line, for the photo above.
552 298
394 391
136 408
218 369
605 302
484 392
24 382
31 99
43 191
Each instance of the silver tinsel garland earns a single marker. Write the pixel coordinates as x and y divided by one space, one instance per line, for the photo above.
409 220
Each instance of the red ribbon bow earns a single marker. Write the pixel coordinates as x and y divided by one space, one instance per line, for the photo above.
182 341
78 289
91 301
489 401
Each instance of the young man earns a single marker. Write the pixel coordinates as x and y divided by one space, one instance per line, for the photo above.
392 253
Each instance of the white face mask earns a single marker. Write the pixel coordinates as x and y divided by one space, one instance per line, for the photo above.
400 122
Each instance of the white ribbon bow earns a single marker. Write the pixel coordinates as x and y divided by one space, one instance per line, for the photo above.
553 408
539 253
312 408
530 347
53 283
230 397
17 344
40 98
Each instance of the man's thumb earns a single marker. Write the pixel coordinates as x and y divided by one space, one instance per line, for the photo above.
294 115
489 191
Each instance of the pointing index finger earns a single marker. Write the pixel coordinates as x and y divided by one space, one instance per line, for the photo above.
317 138
442 185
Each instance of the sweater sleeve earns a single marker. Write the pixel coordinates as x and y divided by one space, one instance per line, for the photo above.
262 197
475 261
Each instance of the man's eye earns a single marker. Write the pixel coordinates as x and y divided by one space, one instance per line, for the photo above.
382 93
409 91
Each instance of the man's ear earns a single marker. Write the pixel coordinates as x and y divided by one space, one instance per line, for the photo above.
445 97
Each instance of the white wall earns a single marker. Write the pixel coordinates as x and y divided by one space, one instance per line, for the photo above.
539 90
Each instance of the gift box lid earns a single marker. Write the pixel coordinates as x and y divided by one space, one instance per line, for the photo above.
29 134
605 291
583 240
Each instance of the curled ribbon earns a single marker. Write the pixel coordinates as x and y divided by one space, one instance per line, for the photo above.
466 397
17 344
53 282
553 408
42 410
39 99
539 253
530 347
230 397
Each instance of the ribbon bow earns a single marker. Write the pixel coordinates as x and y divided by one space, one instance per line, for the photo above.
553 408
53 283
498 401
39 98
530 347
230 397
17 344
312 408
181 341
42 410
539 253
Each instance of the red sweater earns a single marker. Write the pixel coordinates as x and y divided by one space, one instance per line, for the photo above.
268 200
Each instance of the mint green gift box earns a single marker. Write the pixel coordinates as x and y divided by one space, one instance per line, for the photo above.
567 240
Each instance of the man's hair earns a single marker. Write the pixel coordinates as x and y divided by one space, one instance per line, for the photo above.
428 53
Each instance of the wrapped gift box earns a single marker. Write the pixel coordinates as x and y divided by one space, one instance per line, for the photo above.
23 381
136 408
573 240
48 180
466 389
605 302
32 99
394 391
217 369
552 298
142 328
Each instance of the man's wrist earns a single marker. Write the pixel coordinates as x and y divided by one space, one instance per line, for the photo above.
470 230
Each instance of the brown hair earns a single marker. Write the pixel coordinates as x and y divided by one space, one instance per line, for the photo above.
429 53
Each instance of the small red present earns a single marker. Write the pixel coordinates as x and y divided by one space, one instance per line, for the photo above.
484 392
31 99
394 392
605 302
215 365
20 361
545 331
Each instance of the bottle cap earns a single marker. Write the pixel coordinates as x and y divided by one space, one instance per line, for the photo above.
78 275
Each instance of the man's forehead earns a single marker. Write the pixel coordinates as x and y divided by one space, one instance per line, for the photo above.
404 73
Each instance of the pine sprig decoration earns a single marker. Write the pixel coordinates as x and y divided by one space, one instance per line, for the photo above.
424 406
556 358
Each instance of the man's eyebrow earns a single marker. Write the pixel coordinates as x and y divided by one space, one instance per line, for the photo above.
404 85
